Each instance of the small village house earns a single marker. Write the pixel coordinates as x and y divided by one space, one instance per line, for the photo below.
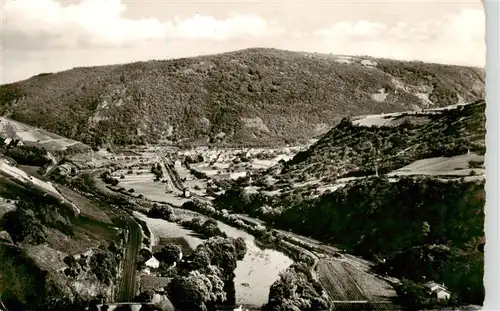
12 142
438 290
186 193
152 263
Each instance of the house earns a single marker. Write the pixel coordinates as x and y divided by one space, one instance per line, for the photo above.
152 263
438 290
229 307
12 142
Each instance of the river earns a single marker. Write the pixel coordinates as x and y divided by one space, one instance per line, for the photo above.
254 274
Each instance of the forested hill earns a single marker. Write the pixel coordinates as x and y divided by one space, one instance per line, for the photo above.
252 96
350 149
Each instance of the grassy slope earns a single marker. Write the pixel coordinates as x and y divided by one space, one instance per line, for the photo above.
21 279
293 93
355 150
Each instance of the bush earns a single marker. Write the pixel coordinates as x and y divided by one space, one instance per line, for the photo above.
414 296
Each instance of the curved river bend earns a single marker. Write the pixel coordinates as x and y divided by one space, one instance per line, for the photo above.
254 274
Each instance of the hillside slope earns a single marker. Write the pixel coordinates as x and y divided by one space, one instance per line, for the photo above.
357 150
32 136
40 237
253 96
421 218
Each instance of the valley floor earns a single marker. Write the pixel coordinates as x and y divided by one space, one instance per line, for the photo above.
347 279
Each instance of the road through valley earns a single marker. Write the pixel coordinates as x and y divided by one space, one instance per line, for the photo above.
127 286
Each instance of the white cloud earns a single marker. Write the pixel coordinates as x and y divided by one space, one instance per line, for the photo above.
89 22
361 28
207 27
455 38
466 27
43 24
53 35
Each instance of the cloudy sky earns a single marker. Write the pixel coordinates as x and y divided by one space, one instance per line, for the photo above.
54 35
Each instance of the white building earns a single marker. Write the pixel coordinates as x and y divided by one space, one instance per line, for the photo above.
439 290
152 263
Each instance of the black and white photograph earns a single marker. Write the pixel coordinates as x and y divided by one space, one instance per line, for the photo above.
245 155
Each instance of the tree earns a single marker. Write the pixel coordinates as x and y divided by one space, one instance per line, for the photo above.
144 255
157 171
222 253
196 290
159 211
426 228
206 276
297 290
23 225
169 254
412 295
145 296
210 228
241 248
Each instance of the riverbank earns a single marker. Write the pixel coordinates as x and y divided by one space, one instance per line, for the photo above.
305 252
254 274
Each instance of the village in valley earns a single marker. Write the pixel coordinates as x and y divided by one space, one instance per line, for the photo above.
165 156
173 191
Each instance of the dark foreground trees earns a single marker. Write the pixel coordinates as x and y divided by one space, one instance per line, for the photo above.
416 227
296 289
206 276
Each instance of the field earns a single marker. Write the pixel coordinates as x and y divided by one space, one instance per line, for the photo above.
37 137
217 164
164 229
87 208
351 288
452 166
47 258
233 163
142 181
395 119
21 177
